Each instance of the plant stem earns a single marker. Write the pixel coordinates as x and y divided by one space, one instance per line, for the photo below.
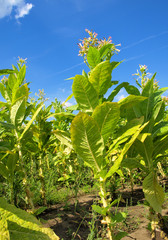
106 218
41 176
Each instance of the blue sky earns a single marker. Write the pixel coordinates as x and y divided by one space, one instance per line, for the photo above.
46 32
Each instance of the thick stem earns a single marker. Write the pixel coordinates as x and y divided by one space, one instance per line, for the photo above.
154 222
107 219
42 180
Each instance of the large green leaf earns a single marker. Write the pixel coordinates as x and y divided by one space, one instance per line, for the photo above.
132 90
5 93
100 77
144 146
93 56
87 141
17 224
107 116
84 93
129 102
154 193
132 163
22 91
17 111
160 145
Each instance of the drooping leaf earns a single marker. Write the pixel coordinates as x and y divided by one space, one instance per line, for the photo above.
107 116
31 121
132 90
129 102
100 77
93 56
132 163
64 137
154 193
160 129
118 161
116 90
17 224
87 141
144 146
84 93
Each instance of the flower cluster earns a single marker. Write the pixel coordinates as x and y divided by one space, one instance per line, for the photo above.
144 77
93 41
165 100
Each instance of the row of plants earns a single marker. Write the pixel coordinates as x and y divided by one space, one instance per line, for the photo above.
94 141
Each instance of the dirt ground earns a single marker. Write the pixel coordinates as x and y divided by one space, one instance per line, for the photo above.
71 223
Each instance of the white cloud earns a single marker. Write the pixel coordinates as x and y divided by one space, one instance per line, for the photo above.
67 104
20 6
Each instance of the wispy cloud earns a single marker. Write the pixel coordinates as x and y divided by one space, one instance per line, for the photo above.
20 6
144 39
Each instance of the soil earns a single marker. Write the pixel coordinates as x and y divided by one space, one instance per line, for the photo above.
70 220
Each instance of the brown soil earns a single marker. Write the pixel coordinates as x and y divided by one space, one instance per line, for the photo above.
71 223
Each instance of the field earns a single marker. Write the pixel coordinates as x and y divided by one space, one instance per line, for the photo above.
94 170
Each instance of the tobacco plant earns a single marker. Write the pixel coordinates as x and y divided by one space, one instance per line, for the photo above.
150 147
15 126
96 122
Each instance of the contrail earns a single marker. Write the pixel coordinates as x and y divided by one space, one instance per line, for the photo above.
144 39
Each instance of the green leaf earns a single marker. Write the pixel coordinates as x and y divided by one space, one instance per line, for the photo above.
11 162
7 125
17 224
12 81
118 161
87 141
160 129
62 114
93 56
154 193
4 171
31 121
84 93
100 77
116 90
107 116
104 50
6 71
132 163
21 74
99 210
129 102
5 93
17 111
160 145
132 90
64 138
20 92
144 146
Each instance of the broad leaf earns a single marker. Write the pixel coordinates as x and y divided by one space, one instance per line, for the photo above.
100 77
84 93
17 224
93 56
17 111
22 91
87 141
107 116
144 146
154 193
